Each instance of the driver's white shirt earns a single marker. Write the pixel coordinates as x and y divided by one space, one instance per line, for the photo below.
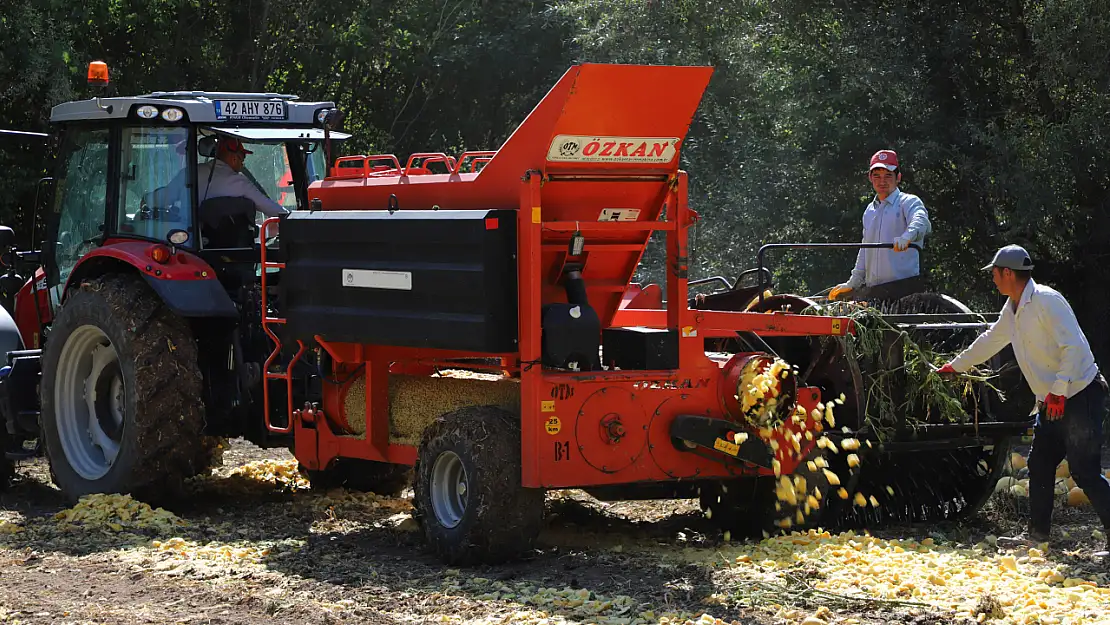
226 182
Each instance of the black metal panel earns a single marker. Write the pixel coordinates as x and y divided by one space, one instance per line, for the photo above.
712 433
570 334
640 348
415 278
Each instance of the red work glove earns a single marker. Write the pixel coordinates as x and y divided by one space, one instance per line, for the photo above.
1054 406
947 368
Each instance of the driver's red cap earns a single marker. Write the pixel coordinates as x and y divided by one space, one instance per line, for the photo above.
229 144
886 159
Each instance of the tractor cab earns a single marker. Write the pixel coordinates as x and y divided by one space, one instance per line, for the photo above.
142 168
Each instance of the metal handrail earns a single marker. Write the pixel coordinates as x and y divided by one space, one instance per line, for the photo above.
768 246
721 279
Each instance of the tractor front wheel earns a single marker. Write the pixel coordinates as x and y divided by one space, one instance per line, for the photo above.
121 409
467 492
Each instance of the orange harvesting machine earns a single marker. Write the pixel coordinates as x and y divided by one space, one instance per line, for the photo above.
476 318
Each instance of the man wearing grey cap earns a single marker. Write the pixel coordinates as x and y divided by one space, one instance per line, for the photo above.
1060 369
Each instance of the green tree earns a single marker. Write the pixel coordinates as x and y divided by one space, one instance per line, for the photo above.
34 74
996 109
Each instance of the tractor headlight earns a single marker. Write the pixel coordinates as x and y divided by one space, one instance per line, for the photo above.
178 237
147 111
172 115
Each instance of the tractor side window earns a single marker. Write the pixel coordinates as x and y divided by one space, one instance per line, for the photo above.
82 198
287 195
315 166
154 191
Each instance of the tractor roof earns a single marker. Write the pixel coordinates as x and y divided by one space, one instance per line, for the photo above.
205 107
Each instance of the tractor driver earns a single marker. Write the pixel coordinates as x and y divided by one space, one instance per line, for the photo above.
223 177
892 217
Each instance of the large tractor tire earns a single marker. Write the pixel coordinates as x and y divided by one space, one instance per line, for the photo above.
210 454
742 507
381 478
468 496
121 408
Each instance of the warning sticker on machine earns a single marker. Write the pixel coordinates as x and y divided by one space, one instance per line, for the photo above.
731 449
553 425
587 149
619 214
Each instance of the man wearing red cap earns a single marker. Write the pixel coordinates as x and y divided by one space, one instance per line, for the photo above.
892 217
223 177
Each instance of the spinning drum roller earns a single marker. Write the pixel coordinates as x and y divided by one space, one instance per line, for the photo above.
926 480
910 480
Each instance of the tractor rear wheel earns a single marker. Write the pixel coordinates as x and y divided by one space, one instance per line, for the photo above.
381 478
121 409
210 454
468 496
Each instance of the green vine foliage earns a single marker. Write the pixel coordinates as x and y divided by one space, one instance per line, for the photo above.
901 387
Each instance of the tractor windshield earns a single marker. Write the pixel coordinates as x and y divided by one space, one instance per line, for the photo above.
154 193
267 167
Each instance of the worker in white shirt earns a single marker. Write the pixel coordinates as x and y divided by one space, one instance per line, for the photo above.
1058 365
895 217
223 177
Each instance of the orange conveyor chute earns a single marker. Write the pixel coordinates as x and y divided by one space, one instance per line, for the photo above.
607 140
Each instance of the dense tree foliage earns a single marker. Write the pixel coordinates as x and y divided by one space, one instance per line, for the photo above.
998 109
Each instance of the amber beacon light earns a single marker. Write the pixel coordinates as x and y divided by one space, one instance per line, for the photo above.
98 74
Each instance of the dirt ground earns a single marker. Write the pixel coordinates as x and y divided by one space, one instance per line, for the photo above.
251 544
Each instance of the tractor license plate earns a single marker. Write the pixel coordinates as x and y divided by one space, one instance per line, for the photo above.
249 109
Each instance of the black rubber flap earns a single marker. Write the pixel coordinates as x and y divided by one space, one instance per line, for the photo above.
441 279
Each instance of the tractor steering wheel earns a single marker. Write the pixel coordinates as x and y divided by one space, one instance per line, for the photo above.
167 213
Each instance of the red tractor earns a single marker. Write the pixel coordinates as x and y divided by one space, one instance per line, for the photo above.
472 320
138 343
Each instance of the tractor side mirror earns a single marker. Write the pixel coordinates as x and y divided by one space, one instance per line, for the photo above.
7 238
206 146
